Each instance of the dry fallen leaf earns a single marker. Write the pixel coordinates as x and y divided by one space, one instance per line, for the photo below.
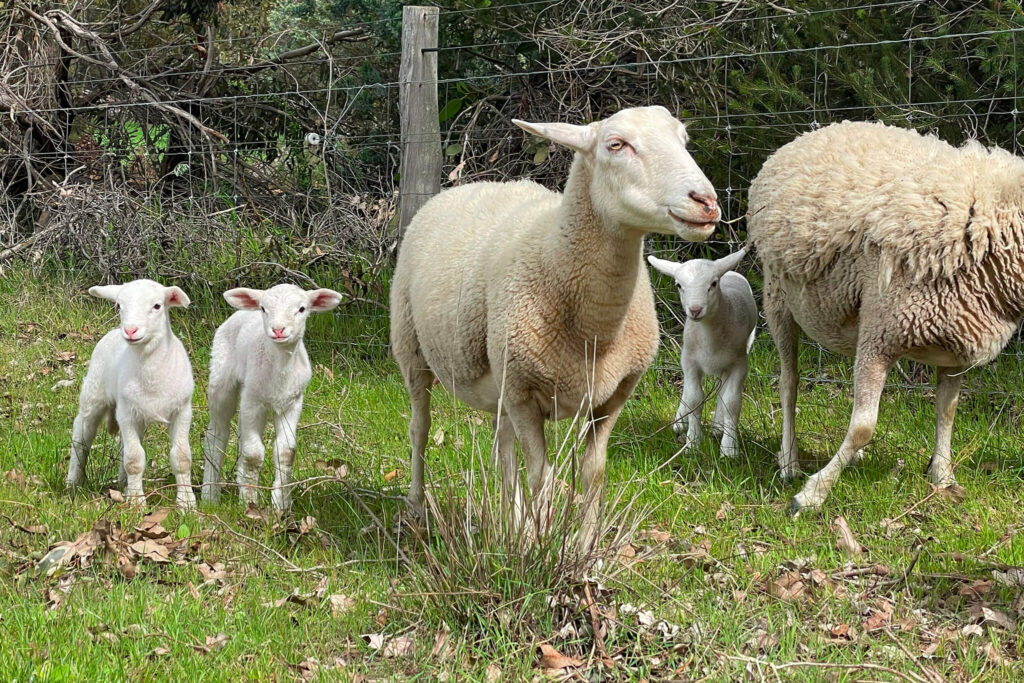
152 550
340 604
845 540
374 640
789 586
401 646
976 589
115 496
392 474
550 658
493 673
439 437
216 642
879 617
993 616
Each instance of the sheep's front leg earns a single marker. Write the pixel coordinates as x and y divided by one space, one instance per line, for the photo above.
82 435
691 405
595 457
868 381
133 456
505 452
252 418
529 427
947 395
285 429
727 411
181 458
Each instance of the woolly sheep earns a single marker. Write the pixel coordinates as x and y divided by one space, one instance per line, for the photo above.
720 319
535 305
139 374
882 244
259 365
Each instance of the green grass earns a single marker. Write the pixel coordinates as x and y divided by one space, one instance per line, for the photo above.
728 534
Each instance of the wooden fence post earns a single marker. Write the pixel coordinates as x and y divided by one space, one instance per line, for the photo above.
417 99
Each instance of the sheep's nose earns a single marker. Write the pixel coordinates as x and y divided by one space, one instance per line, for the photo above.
695 311
130 331
278 331
708 205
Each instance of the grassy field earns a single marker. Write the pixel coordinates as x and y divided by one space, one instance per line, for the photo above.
715 583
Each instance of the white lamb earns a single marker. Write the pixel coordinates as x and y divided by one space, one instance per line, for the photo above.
535 305
882 244
259 365
139 374
721 317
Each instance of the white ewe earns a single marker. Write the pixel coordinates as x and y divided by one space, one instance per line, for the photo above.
535 305
259 365
720 319
139 374
882 244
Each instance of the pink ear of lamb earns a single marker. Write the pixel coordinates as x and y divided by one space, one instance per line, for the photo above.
242 298
324 300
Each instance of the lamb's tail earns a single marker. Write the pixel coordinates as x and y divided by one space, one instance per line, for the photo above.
750 342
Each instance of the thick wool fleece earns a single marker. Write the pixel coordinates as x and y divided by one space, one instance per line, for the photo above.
930 236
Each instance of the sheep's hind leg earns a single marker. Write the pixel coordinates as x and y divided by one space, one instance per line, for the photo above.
786 334
511 485
223 400
868 381
181 458
418 381
529 426
82 435
947 395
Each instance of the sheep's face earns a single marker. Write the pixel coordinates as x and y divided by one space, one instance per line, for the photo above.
642 176
142 306
699 282
284 308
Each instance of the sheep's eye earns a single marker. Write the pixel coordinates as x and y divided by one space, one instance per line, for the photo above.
714 283
615 145
156 307
302 309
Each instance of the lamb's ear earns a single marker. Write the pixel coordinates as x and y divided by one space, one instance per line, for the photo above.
175 297
243 298
727 263
579 138
670 268
321 300
108 292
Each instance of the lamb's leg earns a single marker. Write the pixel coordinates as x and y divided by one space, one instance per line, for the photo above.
785 334
223 401
691 405
529 427
418 381
730 402
181 458
868 381
505 451
252 418
82 435
133 455
947 395
285 428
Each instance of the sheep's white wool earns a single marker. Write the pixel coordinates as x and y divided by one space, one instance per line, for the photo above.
139 374
259 367
532 304
721 317
881 243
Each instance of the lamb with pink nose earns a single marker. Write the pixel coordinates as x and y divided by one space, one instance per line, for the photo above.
139 374
259 367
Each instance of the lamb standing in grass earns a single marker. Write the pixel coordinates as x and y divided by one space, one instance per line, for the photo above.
139 374
882 244
259 365
535 305
720 319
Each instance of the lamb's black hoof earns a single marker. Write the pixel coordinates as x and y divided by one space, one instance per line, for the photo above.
795 508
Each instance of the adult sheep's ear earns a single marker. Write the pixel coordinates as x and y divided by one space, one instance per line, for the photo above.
321 300
175 297
727 263
579 138
108 292
670 268
243 298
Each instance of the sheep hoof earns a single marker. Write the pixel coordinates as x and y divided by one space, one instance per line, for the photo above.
795 508
186 500
414 508
789 474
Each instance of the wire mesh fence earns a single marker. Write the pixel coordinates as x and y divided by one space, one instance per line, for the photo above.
219 155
